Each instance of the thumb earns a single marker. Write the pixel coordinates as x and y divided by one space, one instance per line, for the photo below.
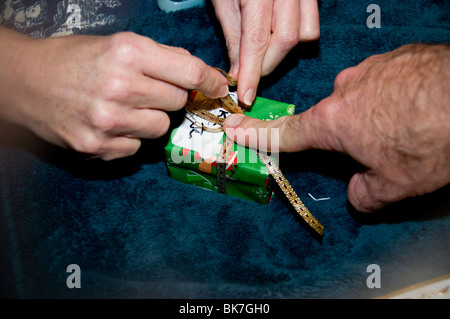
313 128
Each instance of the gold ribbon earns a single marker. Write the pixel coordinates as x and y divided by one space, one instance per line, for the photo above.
200 107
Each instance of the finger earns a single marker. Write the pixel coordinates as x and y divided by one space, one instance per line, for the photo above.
348 75
255 39
309 21
229 15
177 49
285 33
118 147
254 133
141 123
368 192
314 128
183 70
150 93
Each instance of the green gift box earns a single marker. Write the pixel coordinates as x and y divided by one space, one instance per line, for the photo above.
192 152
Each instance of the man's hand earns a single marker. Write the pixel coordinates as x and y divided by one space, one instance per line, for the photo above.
260 33
98 95
391 113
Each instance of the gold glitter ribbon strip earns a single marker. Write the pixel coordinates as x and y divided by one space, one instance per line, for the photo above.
227 147
287 189
200 108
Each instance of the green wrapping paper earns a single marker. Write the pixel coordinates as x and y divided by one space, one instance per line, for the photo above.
192 151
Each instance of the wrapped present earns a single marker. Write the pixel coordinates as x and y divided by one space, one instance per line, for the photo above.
193 149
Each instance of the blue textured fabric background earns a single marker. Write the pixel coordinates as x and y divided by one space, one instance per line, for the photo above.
136 233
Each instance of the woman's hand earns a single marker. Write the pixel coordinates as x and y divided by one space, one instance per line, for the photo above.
260 33
98 94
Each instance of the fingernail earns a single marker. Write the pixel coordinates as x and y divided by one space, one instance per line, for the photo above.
232 71
249 97
234 120
223 91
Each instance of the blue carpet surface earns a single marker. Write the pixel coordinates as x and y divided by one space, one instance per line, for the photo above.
136 233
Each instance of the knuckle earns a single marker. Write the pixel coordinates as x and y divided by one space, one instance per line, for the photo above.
327 111
344 76
259 38
288 39
116 87
182 50
88 144
123 46
373 59
196 74
102 119
331 123
290 127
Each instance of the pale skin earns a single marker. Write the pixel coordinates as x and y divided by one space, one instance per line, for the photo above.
390 113
260 33
102 95
98 95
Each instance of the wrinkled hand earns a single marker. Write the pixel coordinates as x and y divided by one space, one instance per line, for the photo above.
260 33
100 95
390 113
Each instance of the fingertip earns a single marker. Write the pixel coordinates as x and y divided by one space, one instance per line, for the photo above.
248 81
310 21
224 91
233 120
164 125
249 96
360 195
355 193
121 147
246 92
233 72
